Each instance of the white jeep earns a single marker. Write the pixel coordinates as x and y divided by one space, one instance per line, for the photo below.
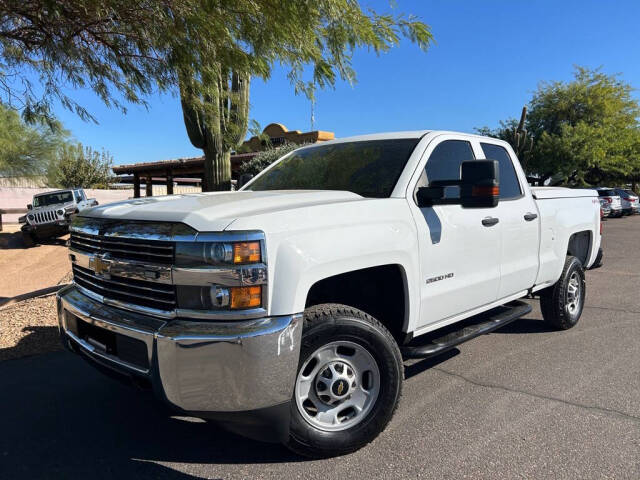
50 213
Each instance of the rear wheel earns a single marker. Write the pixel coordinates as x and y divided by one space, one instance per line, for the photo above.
562 303
348 384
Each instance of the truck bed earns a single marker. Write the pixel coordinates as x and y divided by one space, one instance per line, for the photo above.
545 193
563 213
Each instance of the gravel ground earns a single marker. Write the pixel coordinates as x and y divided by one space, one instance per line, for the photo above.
26 270
29 328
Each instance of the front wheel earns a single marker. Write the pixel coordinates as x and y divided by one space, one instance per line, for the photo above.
348 384
562 303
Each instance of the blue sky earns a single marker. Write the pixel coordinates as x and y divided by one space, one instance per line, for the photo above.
488 58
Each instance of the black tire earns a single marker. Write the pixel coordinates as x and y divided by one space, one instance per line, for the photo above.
328 323
554 300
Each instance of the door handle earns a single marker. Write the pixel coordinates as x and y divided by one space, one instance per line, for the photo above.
490 221
530 216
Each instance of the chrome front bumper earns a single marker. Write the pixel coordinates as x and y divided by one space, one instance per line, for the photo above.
197 367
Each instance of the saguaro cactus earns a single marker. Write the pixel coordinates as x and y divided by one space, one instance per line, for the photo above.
520 140
215 110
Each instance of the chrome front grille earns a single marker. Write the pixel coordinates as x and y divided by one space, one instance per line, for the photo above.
143 250
159 296
47 216
131 264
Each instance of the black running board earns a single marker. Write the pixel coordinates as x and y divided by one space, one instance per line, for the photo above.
487 322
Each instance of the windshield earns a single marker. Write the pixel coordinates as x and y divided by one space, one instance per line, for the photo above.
368 168
630 193
52 199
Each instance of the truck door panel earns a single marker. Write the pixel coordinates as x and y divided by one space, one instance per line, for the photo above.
459 255
518 213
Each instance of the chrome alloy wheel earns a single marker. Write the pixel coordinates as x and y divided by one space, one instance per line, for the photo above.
337 386
574 292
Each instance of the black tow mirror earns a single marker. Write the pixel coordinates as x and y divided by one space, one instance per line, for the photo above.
29 207
479 187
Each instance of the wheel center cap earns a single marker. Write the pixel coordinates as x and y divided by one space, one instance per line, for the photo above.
340 387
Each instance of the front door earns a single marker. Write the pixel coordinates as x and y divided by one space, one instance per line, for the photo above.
459 248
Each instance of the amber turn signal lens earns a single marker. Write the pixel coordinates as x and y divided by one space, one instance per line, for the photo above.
482 191
246 297
246 252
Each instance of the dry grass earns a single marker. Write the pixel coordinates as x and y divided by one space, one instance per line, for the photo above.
28 328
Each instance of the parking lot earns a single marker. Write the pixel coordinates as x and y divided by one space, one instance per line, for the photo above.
523 402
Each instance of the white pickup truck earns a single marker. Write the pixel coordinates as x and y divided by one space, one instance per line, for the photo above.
284 310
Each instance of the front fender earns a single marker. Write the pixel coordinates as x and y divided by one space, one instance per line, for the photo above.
304 259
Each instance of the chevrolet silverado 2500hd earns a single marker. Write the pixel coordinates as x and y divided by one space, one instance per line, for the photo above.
284 310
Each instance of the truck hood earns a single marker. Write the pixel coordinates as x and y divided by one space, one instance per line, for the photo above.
55 206
216 211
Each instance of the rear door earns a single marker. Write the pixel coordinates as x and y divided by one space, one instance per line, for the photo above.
518 216
459 254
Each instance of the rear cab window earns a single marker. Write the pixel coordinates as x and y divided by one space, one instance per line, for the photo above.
509 184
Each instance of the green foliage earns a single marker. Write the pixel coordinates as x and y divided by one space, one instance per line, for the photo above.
516 134
585 131
25 150
265 158
79 166
120 49
232 41
256 130
124 50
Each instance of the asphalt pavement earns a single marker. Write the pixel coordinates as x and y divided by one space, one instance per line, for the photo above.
522 402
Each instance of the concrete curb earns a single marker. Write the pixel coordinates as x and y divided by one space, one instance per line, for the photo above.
43 292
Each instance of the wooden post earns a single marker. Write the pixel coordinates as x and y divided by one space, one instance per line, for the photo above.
136 185
149 186
169 183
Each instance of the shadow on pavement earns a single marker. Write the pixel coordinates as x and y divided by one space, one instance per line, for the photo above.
526 325
14 241
39 339
62 419
420 366
9 240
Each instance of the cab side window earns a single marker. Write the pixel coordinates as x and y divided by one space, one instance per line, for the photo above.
509 184
444 163
78 195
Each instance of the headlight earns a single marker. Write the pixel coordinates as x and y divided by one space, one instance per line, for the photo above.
215 297
60 212
30 217
198 254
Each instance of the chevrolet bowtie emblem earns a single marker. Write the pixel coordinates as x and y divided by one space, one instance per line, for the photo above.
340 388
100 266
